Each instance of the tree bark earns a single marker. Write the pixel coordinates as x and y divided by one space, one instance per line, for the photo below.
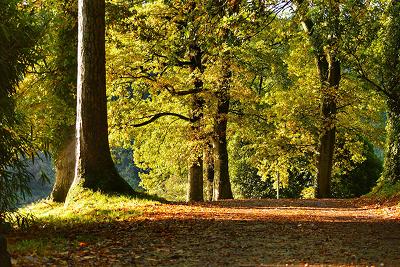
65 168
330 84
391 167
221 167
195 183
5 258
94 168
195 179
209 171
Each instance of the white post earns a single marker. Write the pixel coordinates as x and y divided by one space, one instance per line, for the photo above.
277 187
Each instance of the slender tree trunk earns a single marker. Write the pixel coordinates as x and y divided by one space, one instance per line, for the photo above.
329 75
195 181
209 171
64 90
330 84
391 170
222 183
65 169
5 258
94 167
221 168
195 191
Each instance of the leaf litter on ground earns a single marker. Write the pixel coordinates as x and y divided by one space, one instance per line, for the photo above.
262 232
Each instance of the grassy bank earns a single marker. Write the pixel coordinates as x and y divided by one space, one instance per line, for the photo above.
56 227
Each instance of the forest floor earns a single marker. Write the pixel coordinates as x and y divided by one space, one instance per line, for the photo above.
225 233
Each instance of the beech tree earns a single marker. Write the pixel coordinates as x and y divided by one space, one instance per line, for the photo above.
64 86
328 64
47 95
94 168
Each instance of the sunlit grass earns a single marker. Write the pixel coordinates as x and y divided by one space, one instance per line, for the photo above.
57 226
385 191
87 207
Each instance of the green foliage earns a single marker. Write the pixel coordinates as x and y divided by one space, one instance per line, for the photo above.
42 170
19 32
361 178
51 86
123 159
247 183
274 91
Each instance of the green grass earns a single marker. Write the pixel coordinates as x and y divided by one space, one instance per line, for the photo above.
85 208
386 191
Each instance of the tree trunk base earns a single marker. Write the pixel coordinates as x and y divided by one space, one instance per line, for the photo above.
5 258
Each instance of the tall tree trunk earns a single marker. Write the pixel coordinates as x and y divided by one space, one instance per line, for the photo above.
65 168
221 168
94 168
391 170
64 90
330 78
209 171
5 258
329 75
195 179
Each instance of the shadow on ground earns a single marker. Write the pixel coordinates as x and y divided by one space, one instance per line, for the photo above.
231 233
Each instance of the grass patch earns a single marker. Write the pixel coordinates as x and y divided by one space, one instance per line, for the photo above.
386 191
40 246
85 208
57 227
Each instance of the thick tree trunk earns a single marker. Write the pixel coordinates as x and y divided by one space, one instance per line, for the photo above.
94 167
391 170
209 171
5 258
65 169
330 78
221 168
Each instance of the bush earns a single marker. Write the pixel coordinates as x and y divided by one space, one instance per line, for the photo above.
361 179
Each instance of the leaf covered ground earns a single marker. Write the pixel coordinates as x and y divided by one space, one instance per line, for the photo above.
224 233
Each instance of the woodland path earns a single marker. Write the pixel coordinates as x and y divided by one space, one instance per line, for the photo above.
241 233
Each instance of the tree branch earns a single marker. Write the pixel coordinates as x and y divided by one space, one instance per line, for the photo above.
162 114
172 91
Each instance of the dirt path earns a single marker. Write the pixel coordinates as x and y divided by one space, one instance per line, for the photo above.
241 233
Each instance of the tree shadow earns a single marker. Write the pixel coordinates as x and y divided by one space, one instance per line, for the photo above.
272 203
193 239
